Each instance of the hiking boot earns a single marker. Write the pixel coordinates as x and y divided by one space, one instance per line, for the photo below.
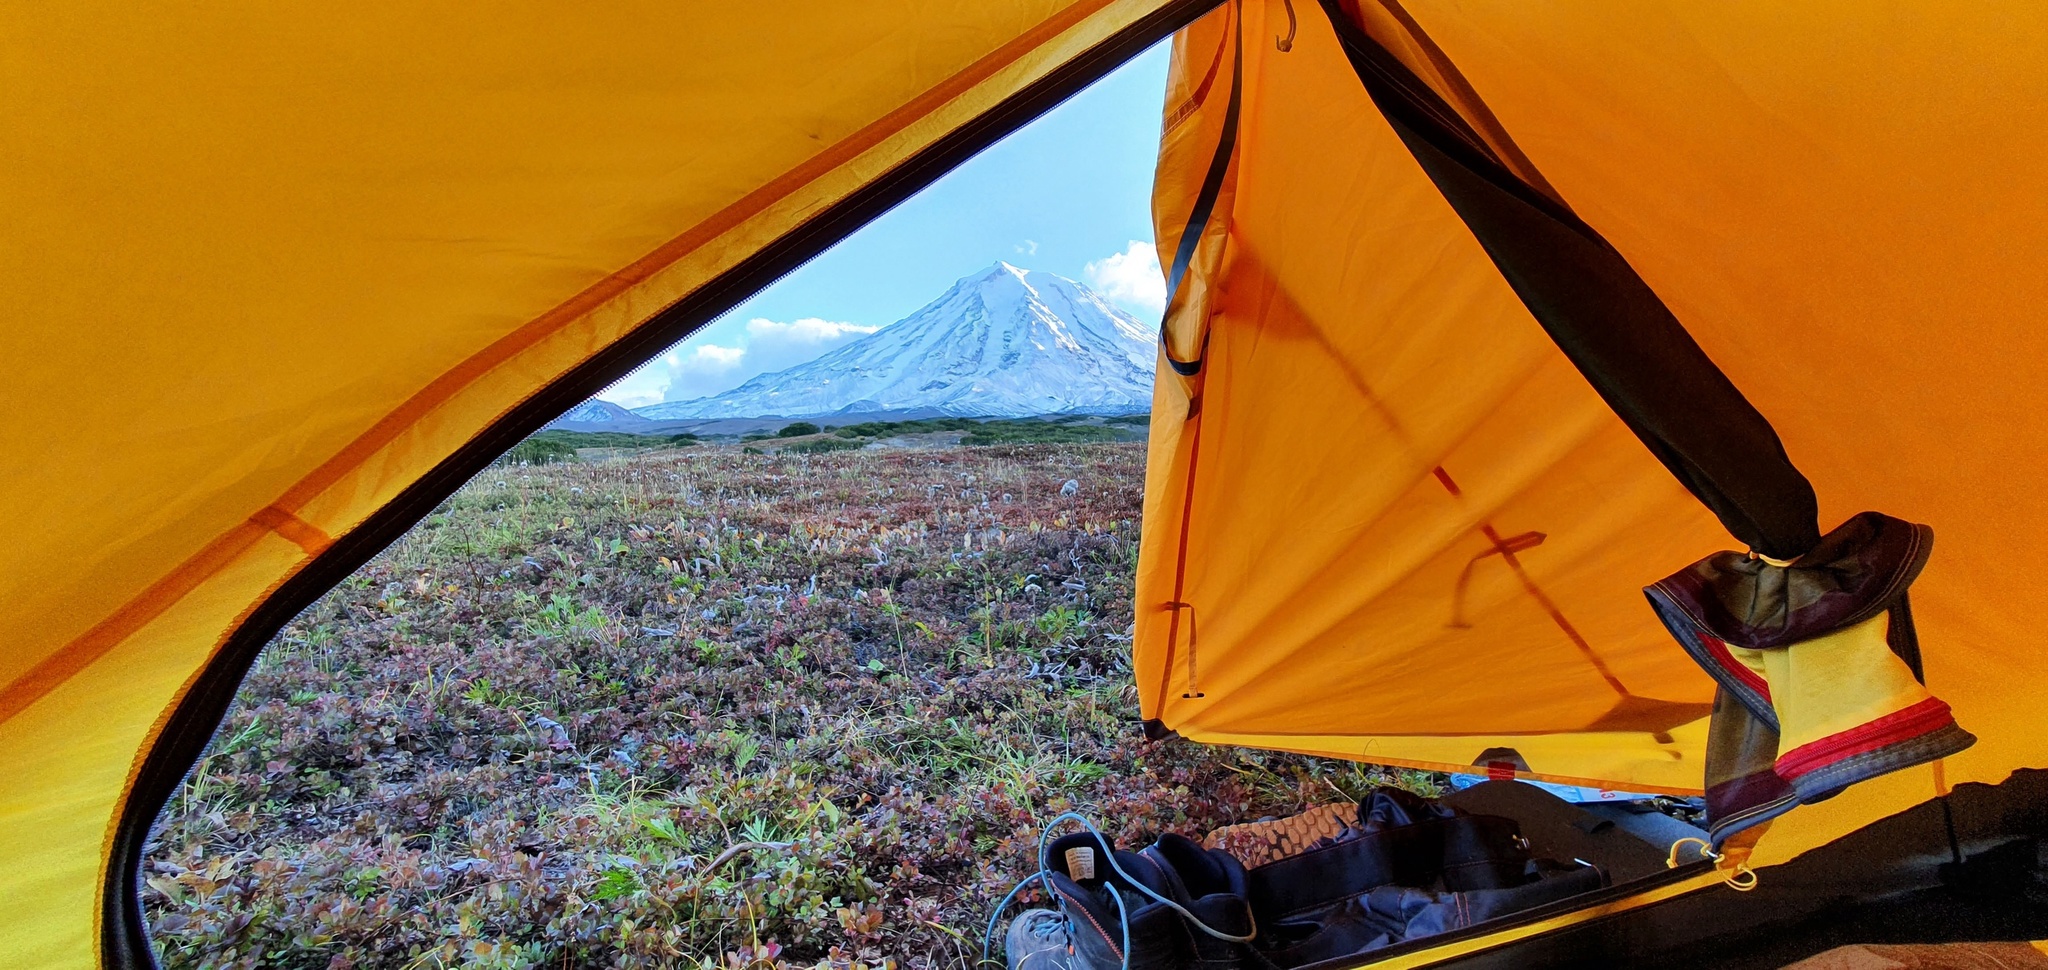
1103 913
1212 885
1040 939
1106 912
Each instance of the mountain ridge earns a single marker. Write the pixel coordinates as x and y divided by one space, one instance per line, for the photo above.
1005 342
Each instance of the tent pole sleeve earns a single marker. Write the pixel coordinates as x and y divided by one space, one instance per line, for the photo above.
1205 203
1605 318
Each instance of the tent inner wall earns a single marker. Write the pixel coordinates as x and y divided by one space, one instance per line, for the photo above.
1406 521
1413 524
1843 204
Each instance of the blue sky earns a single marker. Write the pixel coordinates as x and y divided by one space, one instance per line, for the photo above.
1069 193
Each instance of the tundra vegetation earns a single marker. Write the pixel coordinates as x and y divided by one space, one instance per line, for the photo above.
697 708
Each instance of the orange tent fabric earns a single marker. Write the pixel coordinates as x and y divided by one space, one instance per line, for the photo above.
279 277
269 267
1416 536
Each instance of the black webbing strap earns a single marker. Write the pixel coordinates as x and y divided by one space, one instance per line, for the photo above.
1205 200
1462 852
1605 318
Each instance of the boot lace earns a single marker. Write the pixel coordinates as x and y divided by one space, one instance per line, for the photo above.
1044 878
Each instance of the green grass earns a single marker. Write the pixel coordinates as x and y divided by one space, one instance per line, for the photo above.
1061 430
698 708
822 446
539 450
556 445
1041 432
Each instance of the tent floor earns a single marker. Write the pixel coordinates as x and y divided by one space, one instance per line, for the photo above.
1894 881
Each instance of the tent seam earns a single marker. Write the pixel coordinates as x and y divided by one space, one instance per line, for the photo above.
142 609
300 532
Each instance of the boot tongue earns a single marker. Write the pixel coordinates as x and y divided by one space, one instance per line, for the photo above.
1157 871
1196 872
1085 859
1110 896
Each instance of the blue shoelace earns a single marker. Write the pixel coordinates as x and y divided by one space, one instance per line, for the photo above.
1044 877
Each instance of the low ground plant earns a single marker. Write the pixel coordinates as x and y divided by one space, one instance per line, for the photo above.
556 445
1061 430
696 709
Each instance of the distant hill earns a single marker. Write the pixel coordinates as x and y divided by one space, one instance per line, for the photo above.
595 415
598 417
1005 342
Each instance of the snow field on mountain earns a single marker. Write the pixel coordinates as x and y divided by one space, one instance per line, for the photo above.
1005 342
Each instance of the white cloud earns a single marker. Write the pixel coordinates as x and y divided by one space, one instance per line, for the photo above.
631 397
1131 279
642 387
698 367
1029 247
765 345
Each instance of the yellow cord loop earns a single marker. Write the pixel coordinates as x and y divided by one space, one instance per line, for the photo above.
1679 846
1740 878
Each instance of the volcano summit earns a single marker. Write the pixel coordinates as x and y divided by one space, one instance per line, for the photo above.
1006 342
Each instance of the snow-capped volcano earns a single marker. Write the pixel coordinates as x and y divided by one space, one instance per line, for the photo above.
596 412
1005 342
